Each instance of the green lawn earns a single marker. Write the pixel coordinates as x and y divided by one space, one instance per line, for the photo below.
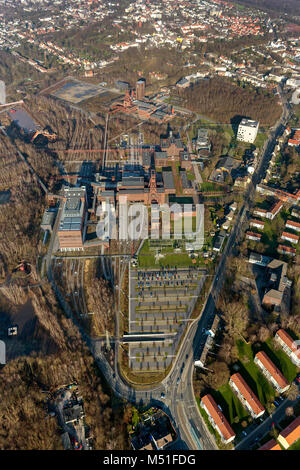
230 405
295 446
281 360
177 259
210 187
260 140
147 254
272 232
252 374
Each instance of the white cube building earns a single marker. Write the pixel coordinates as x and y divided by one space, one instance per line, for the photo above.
247 131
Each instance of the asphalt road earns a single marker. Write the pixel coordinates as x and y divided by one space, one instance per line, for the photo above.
263 429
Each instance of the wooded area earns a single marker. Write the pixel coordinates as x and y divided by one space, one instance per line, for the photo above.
220 99
278 6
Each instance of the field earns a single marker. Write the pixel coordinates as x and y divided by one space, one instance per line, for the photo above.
167 256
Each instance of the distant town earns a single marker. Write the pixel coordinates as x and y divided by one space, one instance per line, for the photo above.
150 220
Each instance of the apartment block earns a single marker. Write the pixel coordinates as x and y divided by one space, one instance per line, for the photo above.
286 250
257 224
289 346
247 131
271 445
253 236
271 372
246 395
260 212
291 434
217 419
290 237
293 225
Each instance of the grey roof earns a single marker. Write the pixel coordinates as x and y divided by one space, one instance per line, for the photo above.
228 163
249 123
132 181
161 155
133 191
186 184
71 414
48 217
23 120
182 81
73 211
147 157
168 180
219 241
107 193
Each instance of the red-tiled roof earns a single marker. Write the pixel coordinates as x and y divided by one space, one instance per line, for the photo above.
268 364
271 445
256 221
285 337
247 393
292 224
278 205
218 417
292 432
253 234
290 235
287 249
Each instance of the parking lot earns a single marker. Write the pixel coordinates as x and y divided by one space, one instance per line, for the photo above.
161 302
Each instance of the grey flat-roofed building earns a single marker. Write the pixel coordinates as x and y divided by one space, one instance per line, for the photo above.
73 414
22 119
219 241
123 86
133 181
168 180
70 232
146 156
257 258
186 183
48 219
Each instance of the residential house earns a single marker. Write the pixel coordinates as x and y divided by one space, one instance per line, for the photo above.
277 282
260 260
271 372
260 212
296 212
293 225
291 434
290 237
246 395
290 347
286 250
253 236
217 419
219 242
271 445
257 224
